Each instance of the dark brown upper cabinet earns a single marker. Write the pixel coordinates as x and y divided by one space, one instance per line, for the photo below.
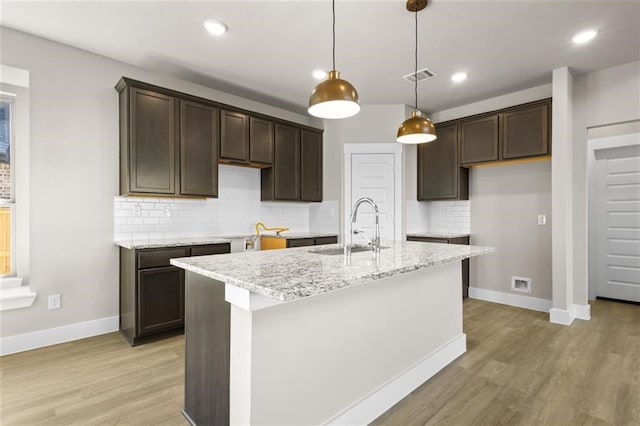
168 145
310 166
246 140
234 136
512 133
260 141
296 174
440 176
148 149
525 132
198 149
479 140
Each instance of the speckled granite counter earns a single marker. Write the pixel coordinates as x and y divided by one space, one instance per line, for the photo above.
295 235
194 241
171 242
294 274
446 235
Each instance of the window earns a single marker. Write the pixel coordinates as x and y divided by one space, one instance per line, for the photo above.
7 198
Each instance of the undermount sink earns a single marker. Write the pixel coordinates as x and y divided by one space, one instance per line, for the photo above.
340 250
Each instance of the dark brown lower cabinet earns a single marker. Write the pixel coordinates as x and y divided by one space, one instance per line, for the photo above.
152 297
465 263
305 242
160 299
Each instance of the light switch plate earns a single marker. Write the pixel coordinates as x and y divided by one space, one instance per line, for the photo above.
542 219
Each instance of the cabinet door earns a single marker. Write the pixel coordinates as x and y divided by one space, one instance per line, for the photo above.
152 142
199 130
438 167
260 141
160 299
325 240
479 140
525 132
234 136
300 242
310 166
286 164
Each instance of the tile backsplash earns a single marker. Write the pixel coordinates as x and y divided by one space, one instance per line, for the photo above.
234 212
438 216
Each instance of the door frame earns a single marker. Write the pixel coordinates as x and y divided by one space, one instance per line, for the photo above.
398 176
597 144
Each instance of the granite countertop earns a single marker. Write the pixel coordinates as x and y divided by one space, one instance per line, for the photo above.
294 235
195 241
296 273
438 235
171 242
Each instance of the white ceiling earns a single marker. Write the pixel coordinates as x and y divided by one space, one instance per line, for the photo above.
272 46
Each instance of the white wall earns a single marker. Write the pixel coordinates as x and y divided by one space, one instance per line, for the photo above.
600 98
506 201
74 176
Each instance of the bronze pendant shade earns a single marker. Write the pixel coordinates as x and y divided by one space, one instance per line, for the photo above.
416 129
334 97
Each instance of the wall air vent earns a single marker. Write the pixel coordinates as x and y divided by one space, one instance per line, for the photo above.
422 75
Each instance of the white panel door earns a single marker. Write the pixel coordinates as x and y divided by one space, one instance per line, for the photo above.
372 175
618 223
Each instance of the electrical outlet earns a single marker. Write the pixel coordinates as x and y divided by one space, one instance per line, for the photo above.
137 210
542 219
167 211
54 301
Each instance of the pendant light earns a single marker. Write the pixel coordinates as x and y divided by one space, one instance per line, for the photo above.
417 129
334 97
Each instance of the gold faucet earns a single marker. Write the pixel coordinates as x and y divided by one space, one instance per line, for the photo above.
263 226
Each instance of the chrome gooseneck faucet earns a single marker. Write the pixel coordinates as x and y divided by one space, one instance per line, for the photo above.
375 241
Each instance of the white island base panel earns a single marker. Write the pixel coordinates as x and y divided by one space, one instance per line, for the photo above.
347 356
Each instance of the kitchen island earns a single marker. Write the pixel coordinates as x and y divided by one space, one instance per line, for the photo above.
311 336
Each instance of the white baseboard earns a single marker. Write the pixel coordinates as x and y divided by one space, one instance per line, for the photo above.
561 316
372 406
566 317
53 336
527 302
582 312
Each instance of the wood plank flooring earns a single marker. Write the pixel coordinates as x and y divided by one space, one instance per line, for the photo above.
519 370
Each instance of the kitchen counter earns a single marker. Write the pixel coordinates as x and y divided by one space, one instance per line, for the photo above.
260 350
171 242
296 235
446 235
194 241
297 273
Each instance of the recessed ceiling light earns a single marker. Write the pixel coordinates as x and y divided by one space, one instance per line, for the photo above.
216 27
319 74
459 76
584 36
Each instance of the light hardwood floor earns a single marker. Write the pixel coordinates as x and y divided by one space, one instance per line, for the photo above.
519 370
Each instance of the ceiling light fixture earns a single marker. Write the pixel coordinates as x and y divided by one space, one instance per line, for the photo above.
319 74
334 97
215 27
458 77
417 129
584 36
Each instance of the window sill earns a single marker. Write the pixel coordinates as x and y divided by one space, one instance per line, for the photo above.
13 295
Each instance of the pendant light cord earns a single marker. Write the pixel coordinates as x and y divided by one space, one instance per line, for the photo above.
333 12
415 73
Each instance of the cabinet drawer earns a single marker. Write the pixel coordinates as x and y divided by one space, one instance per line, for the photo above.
429 240
158 258
326 240
300 242
210 249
